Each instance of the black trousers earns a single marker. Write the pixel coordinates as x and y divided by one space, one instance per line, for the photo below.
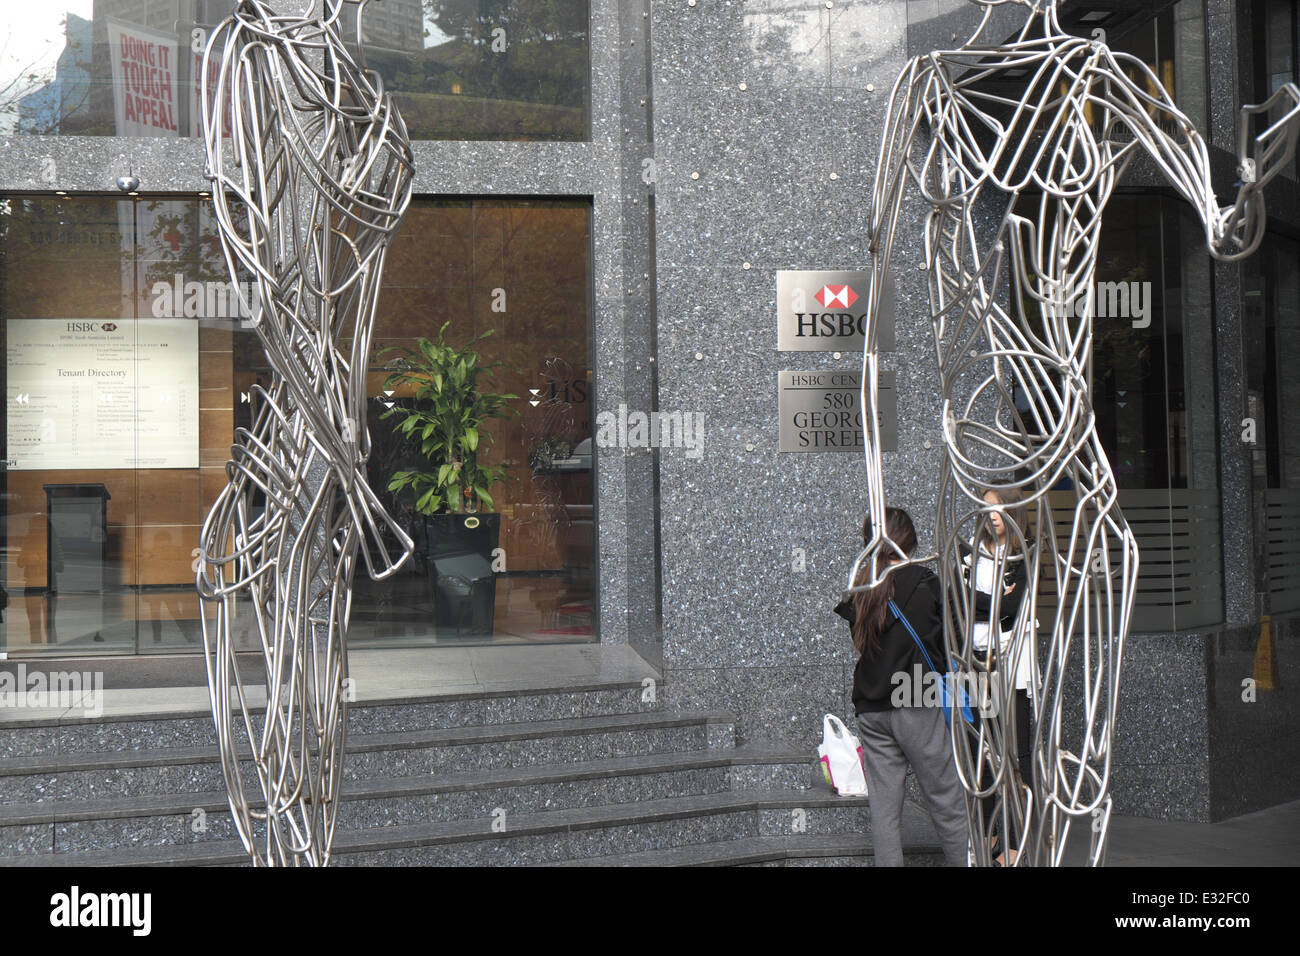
1022 711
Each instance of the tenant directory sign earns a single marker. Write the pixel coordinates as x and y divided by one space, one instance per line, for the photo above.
102 393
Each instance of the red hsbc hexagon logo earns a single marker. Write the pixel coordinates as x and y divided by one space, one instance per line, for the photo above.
833 295
108 327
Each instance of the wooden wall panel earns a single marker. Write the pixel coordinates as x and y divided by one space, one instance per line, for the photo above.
26 557
216 433
215 390
168 496
166 554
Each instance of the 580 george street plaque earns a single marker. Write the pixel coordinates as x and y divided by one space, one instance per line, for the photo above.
821 410
826 311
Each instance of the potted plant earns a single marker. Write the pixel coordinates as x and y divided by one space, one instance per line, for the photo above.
445 423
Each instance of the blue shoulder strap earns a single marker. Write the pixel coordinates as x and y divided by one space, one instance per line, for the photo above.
908 624
966 713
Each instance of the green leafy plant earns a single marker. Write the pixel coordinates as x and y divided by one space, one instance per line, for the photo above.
446 423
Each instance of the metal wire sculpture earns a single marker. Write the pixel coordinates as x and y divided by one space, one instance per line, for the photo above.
320 181
976 154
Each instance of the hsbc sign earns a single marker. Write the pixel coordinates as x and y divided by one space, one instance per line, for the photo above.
827 312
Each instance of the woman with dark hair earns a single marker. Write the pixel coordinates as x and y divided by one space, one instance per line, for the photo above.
894 725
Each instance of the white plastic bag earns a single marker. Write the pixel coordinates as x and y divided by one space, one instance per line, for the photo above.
841 758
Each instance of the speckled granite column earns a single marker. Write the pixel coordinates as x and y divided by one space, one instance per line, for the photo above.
1197 741
640 626
1240 583
1236 496
765 135
1228 72
622 332
1160 767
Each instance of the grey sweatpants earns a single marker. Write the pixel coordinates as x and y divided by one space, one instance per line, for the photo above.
891 739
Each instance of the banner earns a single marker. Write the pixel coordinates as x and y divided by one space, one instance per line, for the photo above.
205 86
144 80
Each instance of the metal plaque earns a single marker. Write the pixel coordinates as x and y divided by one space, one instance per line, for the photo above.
821 410
819 311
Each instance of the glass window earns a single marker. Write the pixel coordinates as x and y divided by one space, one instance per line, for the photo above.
519 270
483 69
1273 306
1277 49
119 382
1153 395
1159 434
1279 44
1171 43
129 363
459 69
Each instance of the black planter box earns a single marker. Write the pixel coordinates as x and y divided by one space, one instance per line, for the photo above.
460 567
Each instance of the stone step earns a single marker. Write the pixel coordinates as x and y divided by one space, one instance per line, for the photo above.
198 769
804 849
595 831
550 836
63 826
619 781
43 736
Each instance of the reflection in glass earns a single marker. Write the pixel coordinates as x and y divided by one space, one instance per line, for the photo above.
484 69
1154 399
1277 49
796 43
1172 44
459 69
521 269
130 361
1273 304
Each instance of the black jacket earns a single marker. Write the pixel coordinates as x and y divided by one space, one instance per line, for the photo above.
916 593
1015 575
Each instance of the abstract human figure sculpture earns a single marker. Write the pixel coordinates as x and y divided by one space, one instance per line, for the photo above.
973 152
320 180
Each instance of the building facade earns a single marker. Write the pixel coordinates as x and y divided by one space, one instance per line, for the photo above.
612 188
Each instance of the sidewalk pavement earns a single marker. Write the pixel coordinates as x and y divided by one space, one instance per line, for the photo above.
1265 838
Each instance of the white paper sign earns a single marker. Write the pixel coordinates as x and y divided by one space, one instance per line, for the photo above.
93 393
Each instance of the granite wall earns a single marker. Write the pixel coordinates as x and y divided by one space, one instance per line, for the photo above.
765 130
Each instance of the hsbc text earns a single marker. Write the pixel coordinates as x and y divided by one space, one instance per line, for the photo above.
813 324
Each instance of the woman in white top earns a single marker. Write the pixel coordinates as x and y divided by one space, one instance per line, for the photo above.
987 555
982 561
